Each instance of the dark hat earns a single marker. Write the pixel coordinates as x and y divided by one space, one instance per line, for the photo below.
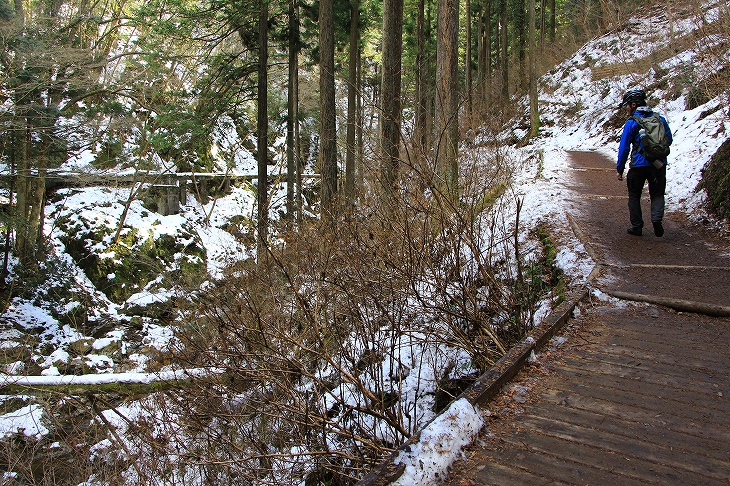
637 96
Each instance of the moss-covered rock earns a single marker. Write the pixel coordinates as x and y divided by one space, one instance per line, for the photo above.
716 182
80 347
136 261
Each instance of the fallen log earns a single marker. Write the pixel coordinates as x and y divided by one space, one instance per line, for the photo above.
678 267
104 378
715 310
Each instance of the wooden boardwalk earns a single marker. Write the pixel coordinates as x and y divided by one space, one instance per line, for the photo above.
637 394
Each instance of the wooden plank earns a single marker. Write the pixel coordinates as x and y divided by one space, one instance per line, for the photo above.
618 401
669 397
663 336
490 472
555 398
625 468
687 362
711 375
678 267
707 468
642 430
673 383
557 467
662 355
586 169
601 196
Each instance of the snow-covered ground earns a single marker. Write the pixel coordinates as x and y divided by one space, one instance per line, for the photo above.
541 179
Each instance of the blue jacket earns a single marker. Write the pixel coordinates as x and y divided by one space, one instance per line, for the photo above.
630 139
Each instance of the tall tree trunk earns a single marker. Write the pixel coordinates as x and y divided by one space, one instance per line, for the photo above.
292 110
328 127
447 107
543 21
390 93
263 133
299 164
534 111
35 233
420 122
352 115
429 94
8 230
670 18
505 53
480 57
22 206
359 121
520 26
498 42
551 26
467 64
19 14
488 52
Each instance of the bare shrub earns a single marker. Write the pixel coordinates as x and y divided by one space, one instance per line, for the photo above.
345 342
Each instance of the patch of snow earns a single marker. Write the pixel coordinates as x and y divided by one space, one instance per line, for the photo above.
27 421
440 445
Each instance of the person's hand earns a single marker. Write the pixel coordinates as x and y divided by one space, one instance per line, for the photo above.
620 176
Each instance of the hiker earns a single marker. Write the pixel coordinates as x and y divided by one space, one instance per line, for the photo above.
641 138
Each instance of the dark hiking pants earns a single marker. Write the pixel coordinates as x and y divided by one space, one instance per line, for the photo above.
635 180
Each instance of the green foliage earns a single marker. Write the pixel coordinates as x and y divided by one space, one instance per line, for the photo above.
553 275
716 181
542 276
108 156
490 197
6 11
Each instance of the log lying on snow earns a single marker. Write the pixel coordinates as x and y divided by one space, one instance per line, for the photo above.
677 304
106 378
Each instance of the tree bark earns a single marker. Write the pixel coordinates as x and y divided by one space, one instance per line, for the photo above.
520 40
359 121
677 304
468 62
390 93
8 228
551 26
487 97
263 133
328 127
420 121
292 111
534 109
505 53
352 104
542 24
22 206
429 94
447 107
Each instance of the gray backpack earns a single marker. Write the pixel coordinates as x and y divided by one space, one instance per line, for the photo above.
654 139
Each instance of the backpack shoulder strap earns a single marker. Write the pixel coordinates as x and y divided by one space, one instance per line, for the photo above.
642 120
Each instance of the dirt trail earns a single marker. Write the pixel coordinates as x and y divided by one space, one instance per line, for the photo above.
688 262
638 393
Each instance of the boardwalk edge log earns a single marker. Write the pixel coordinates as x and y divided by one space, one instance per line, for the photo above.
489 383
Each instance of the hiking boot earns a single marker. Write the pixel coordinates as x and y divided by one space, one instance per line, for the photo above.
658 229
634 230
